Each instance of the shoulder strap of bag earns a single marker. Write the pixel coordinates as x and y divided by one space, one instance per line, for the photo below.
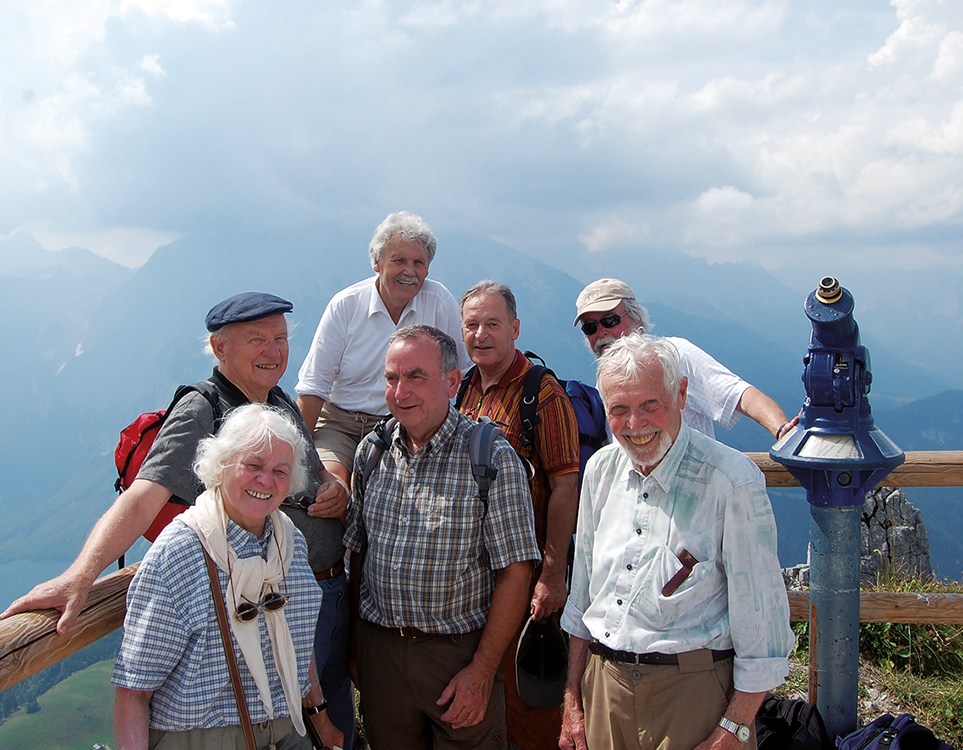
229 652
481 442
463 386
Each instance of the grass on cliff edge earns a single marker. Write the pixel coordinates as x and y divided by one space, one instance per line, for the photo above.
74 714
904 668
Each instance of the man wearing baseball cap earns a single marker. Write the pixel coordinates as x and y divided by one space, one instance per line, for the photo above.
608 310
249 338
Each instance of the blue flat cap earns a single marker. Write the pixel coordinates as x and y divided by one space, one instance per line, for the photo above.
243 308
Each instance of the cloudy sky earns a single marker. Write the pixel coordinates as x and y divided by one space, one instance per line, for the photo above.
766 130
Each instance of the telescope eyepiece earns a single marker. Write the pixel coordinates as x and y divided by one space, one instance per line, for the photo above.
829 290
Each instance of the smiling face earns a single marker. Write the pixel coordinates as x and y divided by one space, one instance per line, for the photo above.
417 391
489 332
643 415
253 355
402 269
603 336
255 484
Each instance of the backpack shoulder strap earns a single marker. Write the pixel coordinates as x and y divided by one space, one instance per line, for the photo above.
375 444
481 443
209 391
463 387
528 409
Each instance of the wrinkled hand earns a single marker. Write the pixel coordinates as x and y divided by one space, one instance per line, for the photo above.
330 502
548 597
573 726
330 735
720 739
471 690
68 593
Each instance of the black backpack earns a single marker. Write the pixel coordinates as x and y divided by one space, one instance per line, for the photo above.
887 733
790 724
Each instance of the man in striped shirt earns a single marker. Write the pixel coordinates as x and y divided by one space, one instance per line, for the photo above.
490 327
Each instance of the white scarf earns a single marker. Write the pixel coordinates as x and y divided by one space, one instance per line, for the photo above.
248 578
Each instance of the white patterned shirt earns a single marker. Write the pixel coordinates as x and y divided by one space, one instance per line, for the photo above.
710 500
346 362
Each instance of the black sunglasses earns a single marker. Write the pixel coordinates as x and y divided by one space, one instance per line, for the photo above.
270 602
611 320
248 610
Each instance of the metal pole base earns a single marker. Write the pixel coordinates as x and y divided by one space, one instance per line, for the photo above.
834 616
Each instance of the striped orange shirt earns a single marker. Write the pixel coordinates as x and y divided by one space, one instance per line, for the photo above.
555 451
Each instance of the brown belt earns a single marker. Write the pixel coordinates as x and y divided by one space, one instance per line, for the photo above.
406 632
330 572
653 657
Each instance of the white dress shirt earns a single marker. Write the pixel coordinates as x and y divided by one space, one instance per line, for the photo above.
710 500
346 362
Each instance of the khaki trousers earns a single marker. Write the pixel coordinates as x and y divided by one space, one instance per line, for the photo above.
655 707
278 733
339 431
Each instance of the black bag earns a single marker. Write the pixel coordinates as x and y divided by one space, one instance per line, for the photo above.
887 733
784 724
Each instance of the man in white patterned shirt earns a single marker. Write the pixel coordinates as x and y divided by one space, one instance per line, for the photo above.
444 582
678 613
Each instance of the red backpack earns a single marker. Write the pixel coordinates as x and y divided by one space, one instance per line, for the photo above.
135 443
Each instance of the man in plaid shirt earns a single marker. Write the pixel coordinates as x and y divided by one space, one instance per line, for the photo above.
443 583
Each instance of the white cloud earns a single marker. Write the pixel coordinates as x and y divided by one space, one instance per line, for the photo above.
149 64
726 128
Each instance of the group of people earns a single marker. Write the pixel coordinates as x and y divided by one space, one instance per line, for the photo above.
677 615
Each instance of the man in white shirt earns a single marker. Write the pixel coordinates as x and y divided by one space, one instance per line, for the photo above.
608 309
341 385
678 613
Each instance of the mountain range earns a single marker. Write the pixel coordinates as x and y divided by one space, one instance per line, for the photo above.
90 344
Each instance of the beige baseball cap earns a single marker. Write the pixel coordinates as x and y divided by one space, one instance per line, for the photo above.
601 296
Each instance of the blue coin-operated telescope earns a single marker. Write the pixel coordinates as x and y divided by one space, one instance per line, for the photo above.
837 454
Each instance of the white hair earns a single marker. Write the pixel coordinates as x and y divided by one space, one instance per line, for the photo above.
626 357
249 429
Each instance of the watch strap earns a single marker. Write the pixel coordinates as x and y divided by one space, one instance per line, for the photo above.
312 710
741 731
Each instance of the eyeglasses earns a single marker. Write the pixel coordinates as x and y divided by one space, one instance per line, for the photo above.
270 602
303 503
248 610
589 327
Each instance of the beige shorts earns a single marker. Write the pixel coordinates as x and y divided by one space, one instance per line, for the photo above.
339 431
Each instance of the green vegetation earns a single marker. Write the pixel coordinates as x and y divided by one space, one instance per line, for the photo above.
904 668
72 715
25 694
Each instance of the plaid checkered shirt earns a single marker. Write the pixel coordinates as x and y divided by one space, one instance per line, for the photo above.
172 644
432 548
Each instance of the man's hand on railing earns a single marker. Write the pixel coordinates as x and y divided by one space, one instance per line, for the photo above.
66 592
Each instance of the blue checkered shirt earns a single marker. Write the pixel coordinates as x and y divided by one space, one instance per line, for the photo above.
432 548
172 644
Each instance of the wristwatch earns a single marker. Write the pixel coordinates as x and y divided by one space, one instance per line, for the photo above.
312 710
740 730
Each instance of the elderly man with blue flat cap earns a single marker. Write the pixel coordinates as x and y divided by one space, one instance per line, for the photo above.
249 338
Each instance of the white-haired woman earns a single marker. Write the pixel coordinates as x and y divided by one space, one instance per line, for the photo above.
173 688
341 385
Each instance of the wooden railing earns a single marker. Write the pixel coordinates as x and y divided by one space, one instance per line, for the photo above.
29 642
